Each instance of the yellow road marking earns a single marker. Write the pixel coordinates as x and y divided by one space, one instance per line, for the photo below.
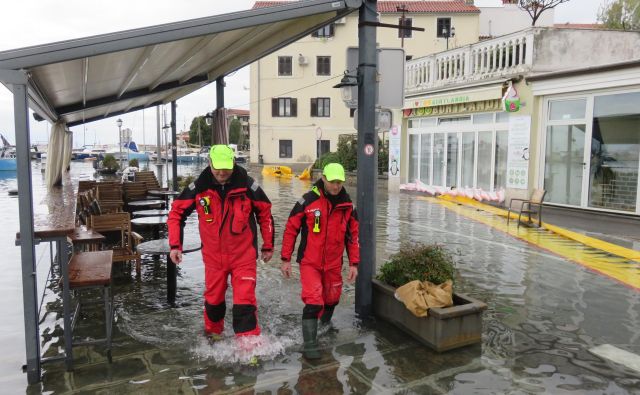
620 268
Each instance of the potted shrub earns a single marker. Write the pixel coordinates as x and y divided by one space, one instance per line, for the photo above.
134 163
109 165
444 328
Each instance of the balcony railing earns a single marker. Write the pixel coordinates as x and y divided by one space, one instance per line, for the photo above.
499 57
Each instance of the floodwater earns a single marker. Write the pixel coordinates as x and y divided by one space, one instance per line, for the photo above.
544 315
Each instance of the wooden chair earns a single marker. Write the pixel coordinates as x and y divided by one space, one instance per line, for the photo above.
134 191
85 185
109 194
124 249
149 178
530 206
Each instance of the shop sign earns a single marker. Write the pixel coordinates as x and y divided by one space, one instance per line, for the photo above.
518 152
394 152
478 106
511 99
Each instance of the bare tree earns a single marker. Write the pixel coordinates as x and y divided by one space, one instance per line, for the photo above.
536 7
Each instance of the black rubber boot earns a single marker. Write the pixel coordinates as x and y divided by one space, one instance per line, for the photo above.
325 318
310 336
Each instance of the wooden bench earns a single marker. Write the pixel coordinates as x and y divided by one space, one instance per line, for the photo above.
89 270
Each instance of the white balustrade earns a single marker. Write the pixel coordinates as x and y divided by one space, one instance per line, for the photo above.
499 57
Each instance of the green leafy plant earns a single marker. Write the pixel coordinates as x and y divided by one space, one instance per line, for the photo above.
418 262
183 181
109 162
133 163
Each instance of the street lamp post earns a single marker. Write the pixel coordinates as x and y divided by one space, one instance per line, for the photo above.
448 33
119 123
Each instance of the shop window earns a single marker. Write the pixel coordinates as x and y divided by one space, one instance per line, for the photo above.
414 149
454 120
285 66
438 159
286 148
425 158
500 172
485 148
468 159
562 110
482 118
615 151
452 160
426 122
502 117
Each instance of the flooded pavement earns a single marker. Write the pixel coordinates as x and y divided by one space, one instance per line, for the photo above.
545 314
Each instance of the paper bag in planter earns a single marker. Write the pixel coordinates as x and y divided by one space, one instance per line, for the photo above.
419 296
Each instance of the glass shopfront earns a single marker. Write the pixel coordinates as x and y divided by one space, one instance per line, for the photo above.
467 151
592 151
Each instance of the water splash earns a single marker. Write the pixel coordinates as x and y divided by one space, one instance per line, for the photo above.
241 350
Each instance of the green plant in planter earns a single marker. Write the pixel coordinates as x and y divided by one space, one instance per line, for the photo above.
418 262
133 163
109 162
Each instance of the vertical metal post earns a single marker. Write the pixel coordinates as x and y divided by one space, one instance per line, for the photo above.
63 257
224 138
174 146
367 155
220 92
159 164
27 248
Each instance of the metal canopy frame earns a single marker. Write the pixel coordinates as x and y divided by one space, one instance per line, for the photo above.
35 77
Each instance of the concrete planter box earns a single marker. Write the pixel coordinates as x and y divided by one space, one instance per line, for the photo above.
443 329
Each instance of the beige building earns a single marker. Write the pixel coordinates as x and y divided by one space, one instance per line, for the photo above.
297 115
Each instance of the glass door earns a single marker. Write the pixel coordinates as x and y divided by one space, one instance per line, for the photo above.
565 166
438 158
452 160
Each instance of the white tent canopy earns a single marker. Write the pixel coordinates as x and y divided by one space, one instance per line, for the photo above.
87 79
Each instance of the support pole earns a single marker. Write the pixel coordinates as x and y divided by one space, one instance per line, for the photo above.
220 92
367 156
174 146
159 164
27 245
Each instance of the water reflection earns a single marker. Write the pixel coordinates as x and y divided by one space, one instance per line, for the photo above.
544 314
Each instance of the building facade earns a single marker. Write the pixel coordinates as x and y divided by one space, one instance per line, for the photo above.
571 124
296 115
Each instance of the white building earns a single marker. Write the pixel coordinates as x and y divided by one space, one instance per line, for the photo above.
297 115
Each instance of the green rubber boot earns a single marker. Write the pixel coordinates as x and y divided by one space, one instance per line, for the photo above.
310 336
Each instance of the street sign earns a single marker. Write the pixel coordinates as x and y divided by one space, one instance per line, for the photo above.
383 119
390 81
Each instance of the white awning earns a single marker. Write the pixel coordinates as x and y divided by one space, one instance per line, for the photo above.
88 79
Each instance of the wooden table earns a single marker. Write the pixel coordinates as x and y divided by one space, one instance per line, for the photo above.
158 247
83 236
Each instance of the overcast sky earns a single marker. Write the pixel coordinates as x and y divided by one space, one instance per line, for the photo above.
33 22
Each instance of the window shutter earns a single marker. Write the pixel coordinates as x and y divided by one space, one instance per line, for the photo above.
274 107
314 107
331 30
294 107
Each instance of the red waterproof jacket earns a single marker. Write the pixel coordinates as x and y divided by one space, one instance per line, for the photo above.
227 217
325 228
